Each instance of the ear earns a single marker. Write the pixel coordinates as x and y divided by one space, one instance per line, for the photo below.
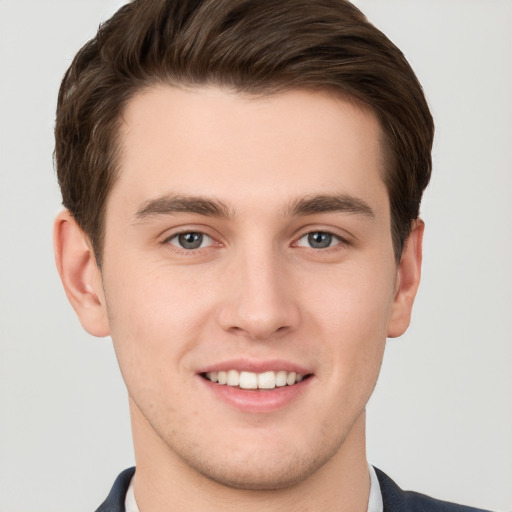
80 274
407 281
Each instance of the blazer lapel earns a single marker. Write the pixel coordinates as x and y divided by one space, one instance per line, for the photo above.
393 497
115 500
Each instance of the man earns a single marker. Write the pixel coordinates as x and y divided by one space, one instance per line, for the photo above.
242 183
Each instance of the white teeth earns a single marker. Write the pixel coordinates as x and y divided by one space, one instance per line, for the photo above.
250 380
281 379
233 378
267 380
290 379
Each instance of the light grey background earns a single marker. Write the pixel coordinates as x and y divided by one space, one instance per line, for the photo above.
441 418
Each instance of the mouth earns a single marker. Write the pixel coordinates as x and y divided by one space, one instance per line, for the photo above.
257 386
246 380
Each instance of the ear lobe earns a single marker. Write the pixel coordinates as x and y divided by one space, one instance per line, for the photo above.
408 280
80 274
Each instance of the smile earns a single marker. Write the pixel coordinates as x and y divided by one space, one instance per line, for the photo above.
251 380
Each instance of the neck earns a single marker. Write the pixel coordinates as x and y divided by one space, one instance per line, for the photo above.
164 480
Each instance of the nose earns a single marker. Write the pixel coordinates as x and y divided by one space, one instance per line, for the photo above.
260 301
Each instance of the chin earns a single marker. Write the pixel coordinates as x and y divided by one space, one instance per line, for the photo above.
265 463
262 475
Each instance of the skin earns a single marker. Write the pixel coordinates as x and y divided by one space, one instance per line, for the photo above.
256 289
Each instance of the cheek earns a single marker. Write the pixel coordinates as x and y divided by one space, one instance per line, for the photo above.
353 314
356 301
160 300
152 321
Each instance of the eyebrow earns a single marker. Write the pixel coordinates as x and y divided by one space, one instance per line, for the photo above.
309 205
171 204
337 203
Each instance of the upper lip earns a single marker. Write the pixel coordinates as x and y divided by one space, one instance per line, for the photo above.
256 366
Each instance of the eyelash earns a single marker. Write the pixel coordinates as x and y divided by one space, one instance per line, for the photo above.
195 250
340 241
332 237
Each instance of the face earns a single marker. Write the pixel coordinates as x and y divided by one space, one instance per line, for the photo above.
249 279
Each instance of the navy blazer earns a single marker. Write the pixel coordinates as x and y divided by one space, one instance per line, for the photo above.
395 500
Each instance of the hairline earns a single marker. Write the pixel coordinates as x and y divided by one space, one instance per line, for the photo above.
271 89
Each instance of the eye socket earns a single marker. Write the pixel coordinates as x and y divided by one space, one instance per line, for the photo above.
319 240
190 240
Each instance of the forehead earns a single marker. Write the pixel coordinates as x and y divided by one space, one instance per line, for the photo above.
240 147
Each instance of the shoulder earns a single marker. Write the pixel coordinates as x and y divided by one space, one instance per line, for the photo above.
397 500
394 498
115 500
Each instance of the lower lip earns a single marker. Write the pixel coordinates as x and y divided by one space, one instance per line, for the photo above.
258 401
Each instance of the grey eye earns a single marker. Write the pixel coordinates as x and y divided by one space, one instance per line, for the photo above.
190 241
318 240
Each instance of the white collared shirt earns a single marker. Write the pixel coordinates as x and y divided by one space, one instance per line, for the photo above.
374 502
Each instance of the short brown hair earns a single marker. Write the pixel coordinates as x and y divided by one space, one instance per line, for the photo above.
253 46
